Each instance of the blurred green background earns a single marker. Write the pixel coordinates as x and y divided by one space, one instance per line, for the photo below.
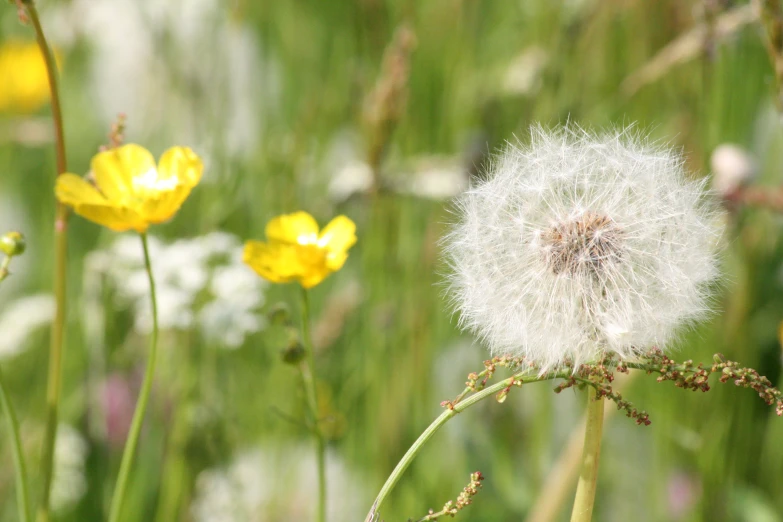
293 106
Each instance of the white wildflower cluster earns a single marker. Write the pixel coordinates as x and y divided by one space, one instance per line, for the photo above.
22 317
581 244
524 75
432 177
427 177
69 483
191 58
200 282
732 167
349 173
262 485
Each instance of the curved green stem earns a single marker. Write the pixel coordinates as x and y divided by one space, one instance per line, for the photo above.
175 471
516 379
141 406
54 89
61 251
22 491
588 478
307 369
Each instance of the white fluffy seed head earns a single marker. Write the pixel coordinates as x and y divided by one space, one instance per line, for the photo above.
582 244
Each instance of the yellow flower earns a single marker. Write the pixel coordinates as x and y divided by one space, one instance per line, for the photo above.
295 251
129 190
24 87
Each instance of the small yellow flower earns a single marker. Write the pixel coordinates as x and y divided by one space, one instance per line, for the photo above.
24 87
129 190
295 251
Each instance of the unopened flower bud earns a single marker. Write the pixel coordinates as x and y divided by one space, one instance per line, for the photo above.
279 314
293 353
12 244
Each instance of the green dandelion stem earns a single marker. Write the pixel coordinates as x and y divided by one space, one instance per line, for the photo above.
141 406
588 477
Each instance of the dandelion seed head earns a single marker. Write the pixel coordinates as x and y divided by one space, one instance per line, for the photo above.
581 244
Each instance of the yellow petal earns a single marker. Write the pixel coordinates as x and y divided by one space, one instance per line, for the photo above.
299 227
25 86
339 235
313 267
181 163
162 194
73 190
314 278
91 204
336 260
162 206
275 262
115 218
116 169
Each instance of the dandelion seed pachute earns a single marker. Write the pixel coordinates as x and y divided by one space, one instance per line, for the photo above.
581 244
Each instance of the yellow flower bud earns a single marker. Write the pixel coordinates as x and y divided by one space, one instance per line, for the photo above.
12 244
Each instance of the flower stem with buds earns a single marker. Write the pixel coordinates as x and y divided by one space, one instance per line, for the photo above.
465 498
61 251
141 406
22 491
588 478
453 408
307 367
13 244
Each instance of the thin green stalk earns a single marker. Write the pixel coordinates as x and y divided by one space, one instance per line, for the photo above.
141 406
22 491
588 478
61 251
13 244
308 369
518 378
175 470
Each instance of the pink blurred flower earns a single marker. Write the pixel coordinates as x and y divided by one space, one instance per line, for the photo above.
118 400
683 492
